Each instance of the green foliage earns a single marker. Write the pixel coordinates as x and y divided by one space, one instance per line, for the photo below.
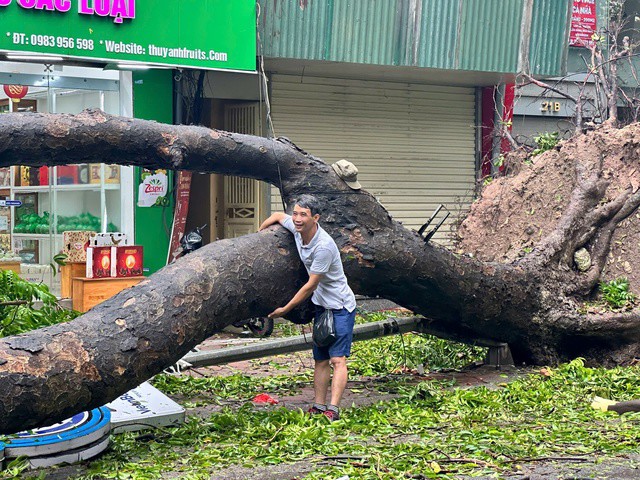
286 329
58 260
545 141
17 312
424 432
616 293
238 386
390 354
409 351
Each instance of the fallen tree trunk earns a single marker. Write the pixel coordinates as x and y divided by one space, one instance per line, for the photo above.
529 303
63 369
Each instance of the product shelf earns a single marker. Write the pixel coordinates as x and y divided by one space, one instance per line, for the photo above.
36 236
88 187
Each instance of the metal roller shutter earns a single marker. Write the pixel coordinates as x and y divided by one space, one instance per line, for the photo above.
414 145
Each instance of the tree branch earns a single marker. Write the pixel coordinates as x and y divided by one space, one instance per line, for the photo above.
546 86
40 139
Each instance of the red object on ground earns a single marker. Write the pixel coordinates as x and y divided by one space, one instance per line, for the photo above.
264 398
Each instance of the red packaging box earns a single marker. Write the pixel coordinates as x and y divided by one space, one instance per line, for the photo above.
126 261
43 175
68 175
98 262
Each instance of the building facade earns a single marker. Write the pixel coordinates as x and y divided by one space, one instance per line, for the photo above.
64 57
396 87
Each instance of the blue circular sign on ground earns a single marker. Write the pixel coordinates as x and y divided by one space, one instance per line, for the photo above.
81 430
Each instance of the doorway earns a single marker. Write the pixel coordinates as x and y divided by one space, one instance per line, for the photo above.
244 198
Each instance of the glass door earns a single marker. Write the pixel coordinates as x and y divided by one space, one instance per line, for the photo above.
65 198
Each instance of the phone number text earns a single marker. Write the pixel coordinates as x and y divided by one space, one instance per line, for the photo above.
51 41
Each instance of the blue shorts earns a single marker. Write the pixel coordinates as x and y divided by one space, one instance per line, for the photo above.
344 321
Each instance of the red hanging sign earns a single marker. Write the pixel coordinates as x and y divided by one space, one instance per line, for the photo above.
583 24
15 92
183 190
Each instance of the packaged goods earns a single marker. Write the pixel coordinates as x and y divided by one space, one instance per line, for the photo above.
98 262
43 175
111 173
107 239
67 174
75 244
126 261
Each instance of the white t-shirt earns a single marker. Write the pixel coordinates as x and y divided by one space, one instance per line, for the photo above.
322 257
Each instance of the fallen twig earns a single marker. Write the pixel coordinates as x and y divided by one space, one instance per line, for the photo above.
544 459
274 436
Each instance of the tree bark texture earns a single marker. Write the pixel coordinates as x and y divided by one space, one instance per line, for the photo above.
54 372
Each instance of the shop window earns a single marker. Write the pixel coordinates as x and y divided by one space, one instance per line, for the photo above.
55 200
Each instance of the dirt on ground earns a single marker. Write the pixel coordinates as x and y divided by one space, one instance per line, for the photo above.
516 211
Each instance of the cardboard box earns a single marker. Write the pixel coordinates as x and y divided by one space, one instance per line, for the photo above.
25 173
43 174
5 241
94 173
83 173
126 261
37 273
98 262
107 239
14 266
5 177
112 173
75 244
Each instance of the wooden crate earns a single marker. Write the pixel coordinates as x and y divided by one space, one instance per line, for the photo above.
67 273
15 266
88 292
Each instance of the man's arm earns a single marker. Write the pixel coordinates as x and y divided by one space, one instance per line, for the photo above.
302 294
277 217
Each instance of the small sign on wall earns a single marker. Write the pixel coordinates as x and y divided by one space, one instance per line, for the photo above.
153 190
583 24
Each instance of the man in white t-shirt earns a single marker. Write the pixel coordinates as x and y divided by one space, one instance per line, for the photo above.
328 288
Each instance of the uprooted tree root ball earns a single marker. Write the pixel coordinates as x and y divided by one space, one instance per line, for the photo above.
515 212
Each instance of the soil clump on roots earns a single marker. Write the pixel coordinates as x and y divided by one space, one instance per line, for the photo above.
516 211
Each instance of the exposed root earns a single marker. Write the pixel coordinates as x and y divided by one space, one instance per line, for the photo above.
589 190
617 210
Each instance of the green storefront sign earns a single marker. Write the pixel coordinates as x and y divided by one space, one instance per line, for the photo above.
204 34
